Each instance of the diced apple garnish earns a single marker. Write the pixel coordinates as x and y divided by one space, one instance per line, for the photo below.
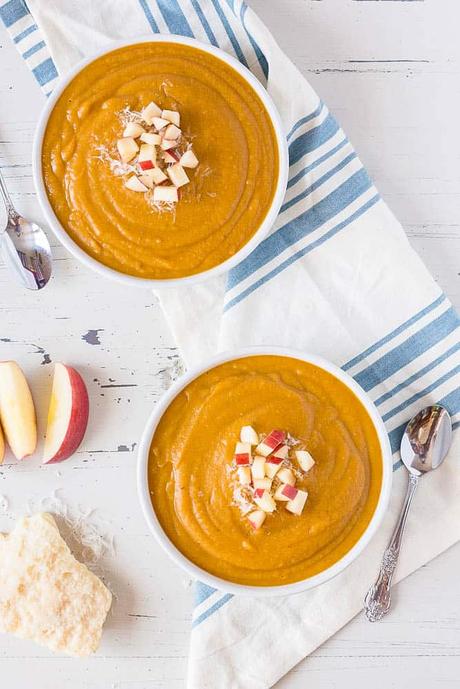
304 459
177 175
258 468
171 116
157 175
279 495
134 184
189 159
167 144
147 152
146 164
286 476
152 139
159 123
242 454
170 156
147 180
172 132
272 469
282 452
249 435
271 442
272 459
289 491
133 129
244 476
127 148
298 503
150 112
168 194
264 500
257 518
265 483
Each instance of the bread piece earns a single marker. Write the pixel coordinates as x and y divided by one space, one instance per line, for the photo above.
46 595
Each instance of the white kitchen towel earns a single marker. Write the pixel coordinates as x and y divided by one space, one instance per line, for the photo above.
336 276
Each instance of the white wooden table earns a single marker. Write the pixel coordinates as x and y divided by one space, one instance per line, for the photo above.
390 72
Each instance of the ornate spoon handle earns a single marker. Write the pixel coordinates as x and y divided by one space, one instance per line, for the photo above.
378 598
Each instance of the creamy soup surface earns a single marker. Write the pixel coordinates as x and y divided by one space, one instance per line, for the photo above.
229 193
193 447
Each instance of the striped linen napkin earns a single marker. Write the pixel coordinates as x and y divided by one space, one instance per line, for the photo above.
336 276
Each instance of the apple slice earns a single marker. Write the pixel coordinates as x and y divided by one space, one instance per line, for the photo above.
289 491
264 483
279 494
67 414
147 180
171 116
147 152
257 518
272 469
134 184
189 159
242 454
177 175
271 442
166 194
157 175
134 130
17 412
258 468
304 459
167 144
282 452
172 132
249 435
244 476
170 156
146 165
298 503
159 123
127 148
264 500
151 139
286 476
150 112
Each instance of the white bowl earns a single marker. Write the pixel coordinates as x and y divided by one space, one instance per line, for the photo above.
262 231
228 586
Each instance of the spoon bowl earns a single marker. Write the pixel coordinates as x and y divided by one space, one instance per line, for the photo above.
426 440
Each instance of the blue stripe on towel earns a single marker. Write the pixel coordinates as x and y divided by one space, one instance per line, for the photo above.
25 33
45 71
207 613
301 253
149 16
394 333
34 49
205 23
202 592
426 369
174 17
317 162
317 183
304 120
404 353
314 138
301 226
259 54
12 11
230 33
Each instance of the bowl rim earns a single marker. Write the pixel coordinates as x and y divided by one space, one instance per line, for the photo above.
245 589
132 280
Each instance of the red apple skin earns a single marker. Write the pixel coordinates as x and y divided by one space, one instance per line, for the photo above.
78 418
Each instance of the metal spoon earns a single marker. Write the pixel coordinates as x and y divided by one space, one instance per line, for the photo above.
26 249
424 446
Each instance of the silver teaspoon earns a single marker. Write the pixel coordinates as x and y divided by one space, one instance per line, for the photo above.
26 249
424 446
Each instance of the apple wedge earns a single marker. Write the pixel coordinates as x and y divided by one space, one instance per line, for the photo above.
67 414
17 411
